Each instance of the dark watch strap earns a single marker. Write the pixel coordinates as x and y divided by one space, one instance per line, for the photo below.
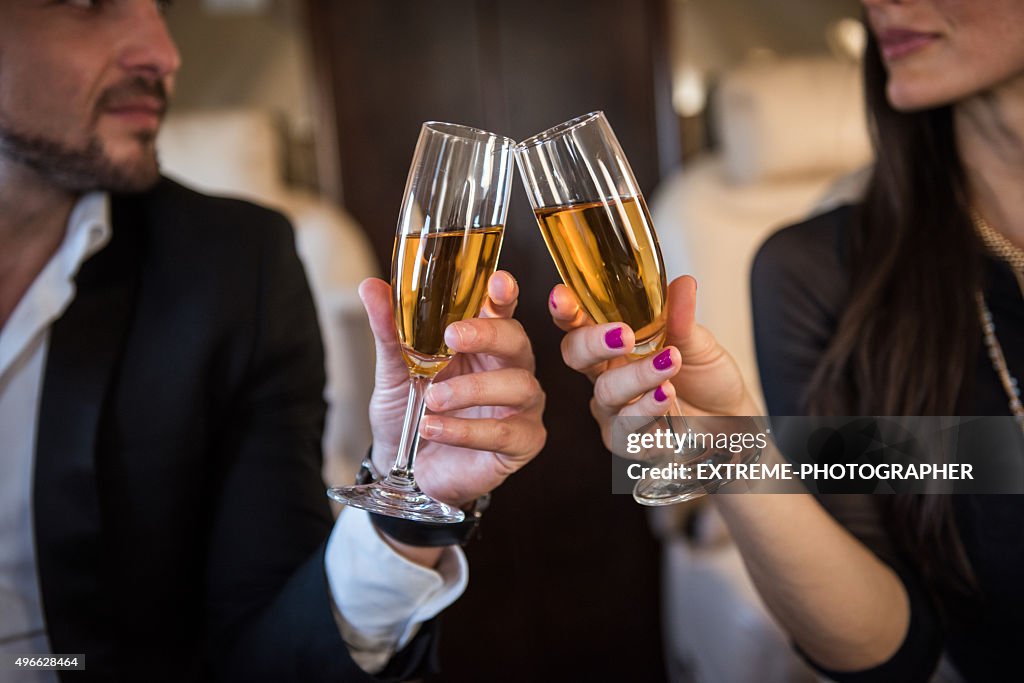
426 534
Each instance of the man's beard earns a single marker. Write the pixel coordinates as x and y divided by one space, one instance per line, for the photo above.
82 169
87 167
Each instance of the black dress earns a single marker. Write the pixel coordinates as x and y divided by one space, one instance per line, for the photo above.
799 288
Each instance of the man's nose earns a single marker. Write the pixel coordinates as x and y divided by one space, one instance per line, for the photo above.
148 46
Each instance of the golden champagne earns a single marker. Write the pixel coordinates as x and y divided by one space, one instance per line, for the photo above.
439 278
608 255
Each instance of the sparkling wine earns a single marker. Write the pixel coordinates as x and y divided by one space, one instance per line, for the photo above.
441 278
607 253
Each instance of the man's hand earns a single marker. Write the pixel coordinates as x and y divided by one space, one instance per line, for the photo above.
484 410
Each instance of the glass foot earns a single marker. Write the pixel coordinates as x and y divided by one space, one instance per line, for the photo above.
407 503
655 492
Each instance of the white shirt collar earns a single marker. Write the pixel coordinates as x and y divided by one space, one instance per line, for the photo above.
88 231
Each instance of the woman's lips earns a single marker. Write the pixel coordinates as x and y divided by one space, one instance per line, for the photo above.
900 42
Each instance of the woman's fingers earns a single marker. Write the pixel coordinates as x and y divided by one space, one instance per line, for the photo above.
653 403
565 310
586 349
619 387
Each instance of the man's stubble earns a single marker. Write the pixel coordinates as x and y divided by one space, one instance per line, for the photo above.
81 169
87 167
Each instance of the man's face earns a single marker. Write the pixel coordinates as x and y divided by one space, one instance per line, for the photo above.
83 88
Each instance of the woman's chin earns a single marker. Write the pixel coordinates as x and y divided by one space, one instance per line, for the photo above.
906 98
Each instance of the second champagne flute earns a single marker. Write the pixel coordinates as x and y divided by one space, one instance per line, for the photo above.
446 249
597 227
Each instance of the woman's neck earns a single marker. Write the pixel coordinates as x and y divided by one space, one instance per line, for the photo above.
990 138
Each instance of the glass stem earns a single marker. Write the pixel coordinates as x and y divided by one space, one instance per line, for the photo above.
401 475
676 418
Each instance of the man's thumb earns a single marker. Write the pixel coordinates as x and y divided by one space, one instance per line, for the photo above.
376 297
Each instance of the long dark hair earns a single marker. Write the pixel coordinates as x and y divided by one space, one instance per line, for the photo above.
907 340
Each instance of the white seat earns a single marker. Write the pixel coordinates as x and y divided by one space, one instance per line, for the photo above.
787 129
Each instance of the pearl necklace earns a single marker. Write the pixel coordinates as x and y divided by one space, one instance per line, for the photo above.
1014 256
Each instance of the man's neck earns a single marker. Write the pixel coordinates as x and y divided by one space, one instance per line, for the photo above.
990 138
33 217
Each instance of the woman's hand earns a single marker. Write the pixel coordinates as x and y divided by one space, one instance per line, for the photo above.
838 601
484 409
692 366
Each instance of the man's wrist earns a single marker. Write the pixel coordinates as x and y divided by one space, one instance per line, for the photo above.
425 556
410 534
381 595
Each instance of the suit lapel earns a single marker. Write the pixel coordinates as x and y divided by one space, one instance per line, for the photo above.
85 345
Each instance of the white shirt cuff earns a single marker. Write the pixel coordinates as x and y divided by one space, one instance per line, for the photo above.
381 598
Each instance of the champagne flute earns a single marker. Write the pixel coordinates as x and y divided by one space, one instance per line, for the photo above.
446 249
596 225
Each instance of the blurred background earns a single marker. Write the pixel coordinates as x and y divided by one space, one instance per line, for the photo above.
738 116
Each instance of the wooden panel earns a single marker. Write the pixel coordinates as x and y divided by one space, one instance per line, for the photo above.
392 65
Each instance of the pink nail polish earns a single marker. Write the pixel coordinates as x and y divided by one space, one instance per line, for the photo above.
613 338
660 396
663 361
551 301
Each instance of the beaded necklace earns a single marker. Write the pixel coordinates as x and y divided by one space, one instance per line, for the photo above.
1005 250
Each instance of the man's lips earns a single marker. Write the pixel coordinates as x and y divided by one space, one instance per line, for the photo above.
900 42
143 110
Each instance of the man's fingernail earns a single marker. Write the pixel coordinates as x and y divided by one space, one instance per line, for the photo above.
440 394
429 427
613 338
465 334
551 300
663 361
660 396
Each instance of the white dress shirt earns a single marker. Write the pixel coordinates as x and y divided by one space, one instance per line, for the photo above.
380 597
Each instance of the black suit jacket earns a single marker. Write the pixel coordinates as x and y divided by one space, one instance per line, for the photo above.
180 516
